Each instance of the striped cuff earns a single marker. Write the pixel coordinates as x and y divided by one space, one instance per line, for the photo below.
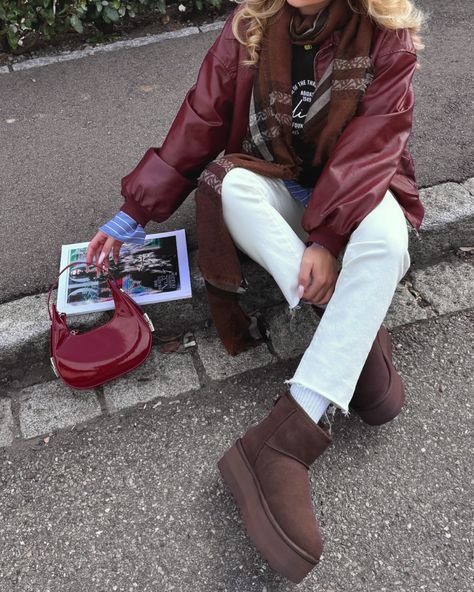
298 192
125 229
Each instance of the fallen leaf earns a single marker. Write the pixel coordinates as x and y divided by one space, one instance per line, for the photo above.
171 346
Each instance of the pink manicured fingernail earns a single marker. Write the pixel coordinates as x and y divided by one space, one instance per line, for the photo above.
101 258
300 291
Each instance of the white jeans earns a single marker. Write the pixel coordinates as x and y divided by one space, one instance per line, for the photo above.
264 221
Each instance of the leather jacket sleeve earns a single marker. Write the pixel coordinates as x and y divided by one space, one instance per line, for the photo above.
366 155
166 175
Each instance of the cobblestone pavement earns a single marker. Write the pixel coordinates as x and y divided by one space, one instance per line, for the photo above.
38 404
134 501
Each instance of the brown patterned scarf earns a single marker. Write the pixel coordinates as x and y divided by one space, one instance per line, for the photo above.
267 147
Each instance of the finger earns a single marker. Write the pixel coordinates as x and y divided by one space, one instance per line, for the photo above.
103 259
317 288
304 276
330 287
321 291
314 290
94 245
89 255
94 248
327 296
116 251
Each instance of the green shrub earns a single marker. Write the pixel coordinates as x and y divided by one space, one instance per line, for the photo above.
22 18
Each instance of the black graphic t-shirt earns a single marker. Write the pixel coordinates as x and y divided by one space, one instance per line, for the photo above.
302 90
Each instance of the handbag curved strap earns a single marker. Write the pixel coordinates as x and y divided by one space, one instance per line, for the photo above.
53 285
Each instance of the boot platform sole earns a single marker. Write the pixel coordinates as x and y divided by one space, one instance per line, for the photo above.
390 406
282 554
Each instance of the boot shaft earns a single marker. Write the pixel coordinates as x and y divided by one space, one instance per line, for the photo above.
289 430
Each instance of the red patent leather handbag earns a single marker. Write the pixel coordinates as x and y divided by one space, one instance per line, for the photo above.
85 360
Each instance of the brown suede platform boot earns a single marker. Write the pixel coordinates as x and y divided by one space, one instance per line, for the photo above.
379 393
267 472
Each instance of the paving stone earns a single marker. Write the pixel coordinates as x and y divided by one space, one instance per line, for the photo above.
211 26
448 222
178 316
24 329
292 332
439 203
22 320
220 364
4 70
197 281
469 185
162 375
405 309
6 423
263 292
52 406
448 286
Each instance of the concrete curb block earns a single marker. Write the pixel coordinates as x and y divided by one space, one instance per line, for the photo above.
469 185
41 408
219 365
212 26
448 222
162 375
24 324
448 288
68 56
40 403
50 406
6 423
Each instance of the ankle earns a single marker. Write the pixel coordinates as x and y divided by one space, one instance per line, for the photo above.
314 404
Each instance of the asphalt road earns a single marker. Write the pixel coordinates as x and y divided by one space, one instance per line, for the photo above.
69 132
135 502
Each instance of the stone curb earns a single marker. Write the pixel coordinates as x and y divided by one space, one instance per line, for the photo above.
24 324
448 222
67 56
42 408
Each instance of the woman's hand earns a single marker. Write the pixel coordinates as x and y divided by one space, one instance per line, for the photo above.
318 275
100 247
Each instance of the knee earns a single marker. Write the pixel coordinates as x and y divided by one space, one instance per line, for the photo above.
384 234
391 242
396 249
239 184
233 180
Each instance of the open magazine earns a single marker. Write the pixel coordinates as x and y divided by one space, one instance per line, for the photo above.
154 272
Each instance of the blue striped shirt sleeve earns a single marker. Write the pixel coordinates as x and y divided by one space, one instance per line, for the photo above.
125 229
298 192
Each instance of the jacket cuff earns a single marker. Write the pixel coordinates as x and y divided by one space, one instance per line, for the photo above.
125 229
329 239
154 189
136 212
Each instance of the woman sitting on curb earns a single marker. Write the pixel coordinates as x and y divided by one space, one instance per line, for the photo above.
312 103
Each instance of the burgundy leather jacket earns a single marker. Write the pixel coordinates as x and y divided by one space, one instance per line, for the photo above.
369 157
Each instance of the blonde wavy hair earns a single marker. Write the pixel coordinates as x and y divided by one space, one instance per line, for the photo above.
387 14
